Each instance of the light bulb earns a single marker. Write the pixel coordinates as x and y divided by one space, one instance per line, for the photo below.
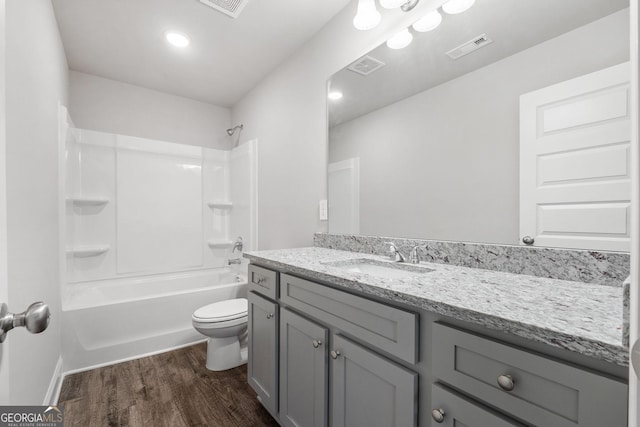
400 40
392 4
428 22
368 16
177 39
334 95
457 6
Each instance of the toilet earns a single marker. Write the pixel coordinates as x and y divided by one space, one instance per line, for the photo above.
225 323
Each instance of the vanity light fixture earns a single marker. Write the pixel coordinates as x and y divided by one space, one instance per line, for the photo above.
335 95
367 16
453 7
428 22
177 39
400 40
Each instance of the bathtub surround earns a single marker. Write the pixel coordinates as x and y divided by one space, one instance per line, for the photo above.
598 267
579 317
149 230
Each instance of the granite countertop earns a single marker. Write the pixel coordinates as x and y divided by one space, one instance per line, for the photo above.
580 317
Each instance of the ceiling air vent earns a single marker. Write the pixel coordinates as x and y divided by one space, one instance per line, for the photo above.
231 8
366 65
470 46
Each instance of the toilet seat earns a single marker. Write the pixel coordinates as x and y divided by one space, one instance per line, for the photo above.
230 312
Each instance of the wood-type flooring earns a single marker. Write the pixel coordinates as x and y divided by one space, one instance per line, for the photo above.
172 389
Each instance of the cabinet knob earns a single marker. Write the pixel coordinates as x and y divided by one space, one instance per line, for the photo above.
316 343
506 382
438 415
528 240
260 280
335 354
269 315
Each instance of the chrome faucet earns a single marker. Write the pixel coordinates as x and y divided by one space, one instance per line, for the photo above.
396 256
414 255
237 245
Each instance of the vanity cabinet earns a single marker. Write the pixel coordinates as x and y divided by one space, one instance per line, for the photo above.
262 370
320 356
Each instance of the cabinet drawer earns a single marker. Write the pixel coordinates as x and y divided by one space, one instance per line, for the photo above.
545 392
449 409
379 325
263 281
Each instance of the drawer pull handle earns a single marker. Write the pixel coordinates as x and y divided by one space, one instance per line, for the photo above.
506 382
335 354
260 280
316 343
269 315
438 415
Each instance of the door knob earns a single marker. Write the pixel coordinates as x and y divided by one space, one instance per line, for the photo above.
35 318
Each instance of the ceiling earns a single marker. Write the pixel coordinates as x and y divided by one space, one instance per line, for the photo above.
124 40
513 25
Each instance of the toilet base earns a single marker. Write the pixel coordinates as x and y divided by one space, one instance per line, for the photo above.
225 353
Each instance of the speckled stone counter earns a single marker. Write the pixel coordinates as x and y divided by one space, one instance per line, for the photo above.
580 317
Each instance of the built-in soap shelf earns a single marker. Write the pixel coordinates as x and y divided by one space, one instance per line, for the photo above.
87 251
87 201
219 243
220 204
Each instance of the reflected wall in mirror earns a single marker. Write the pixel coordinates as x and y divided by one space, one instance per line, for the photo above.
427 146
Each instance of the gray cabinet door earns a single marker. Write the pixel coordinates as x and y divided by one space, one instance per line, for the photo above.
303 371
369 390
263 350
449 409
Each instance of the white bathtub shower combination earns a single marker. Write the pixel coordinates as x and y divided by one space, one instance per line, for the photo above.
149 230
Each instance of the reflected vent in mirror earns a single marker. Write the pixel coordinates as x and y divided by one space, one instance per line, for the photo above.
470 46
366 65
231 8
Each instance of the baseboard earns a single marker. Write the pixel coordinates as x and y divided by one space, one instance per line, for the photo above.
53 392
127 359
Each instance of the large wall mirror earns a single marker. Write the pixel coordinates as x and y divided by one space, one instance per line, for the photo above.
427 146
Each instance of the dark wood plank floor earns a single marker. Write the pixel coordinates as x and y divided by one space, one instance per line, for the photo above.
170 389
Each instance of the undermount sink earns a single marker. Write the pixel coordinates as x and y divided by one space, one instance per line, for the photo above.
389 270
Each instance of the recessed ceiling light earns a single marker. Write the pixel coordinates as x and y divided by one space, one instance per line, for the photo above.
335 95
177 39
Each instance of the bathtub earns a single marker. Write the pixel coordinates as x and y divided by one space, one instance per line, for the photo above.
110 321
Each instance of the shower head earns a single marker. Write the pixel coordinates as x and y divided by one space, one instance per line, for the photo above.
232 130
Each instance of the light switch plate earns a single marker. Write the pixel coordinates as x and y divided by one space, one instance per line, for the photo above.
323 210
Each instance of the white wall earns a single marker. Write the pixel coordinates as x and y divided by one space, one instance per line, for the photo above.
111 106
453 150
36 81
286 113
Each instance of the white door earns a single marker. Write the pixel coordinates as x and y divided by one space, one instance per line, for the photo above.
344 196
575 185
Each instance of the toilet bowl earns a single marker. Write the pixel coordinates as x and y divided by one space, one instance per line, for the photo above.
225 323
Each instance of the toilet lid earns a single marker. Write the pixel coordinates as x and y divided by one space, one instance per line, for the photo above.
221 311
